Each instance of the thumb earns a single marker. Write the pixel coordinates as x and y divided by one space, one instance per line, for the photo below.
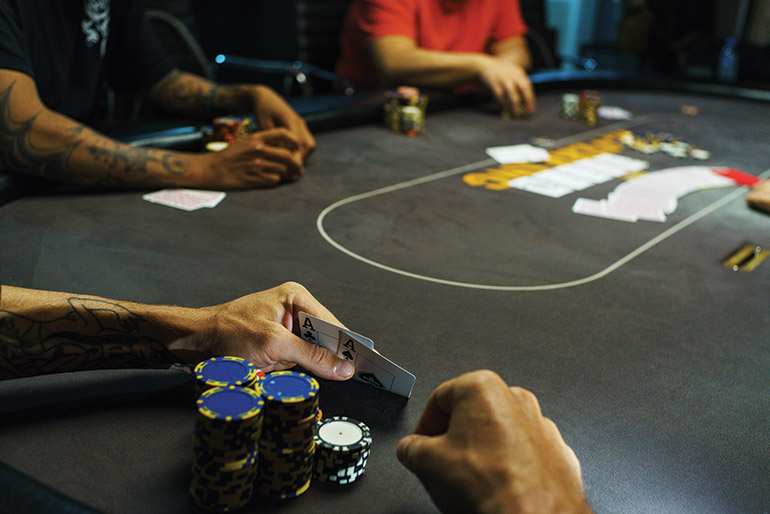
318 360
413 451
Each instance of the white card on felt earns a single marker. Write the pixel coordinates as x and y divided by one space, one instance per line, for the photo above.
517 153
185 199
374 368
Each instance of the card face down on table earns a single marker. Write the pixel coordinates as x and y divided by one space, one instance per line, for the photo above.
371 367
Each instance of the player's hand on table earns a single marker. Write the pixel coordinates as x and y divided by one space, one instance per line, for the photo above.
508 82
272 111
263 159
483 447
262 327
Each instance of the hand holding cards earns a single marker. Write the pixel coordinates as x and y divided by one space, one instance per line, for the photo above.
371 367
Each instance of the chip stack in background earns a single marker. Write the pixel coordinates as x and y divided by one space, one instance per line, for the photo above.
225 130
286 448
342 449
404 110
232 128
225 371
570 106
589 104
225 448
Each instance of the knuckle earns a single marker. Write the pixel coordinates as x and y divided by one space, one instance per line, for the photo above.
526 397
482 382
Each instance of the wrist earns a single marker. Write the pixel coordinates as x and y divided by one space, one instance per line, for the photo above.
185 332
199 167
482 64
538 501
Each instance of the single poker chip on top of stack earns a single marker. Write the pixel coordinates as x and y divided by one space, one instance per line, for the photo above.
224 372
225 448
342 449
286 448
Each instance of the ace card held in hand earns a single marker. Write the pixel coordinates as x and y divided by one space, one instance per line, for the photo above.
371 366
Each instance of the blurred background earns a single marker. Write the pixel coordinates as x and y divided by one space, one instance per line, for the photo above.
293 44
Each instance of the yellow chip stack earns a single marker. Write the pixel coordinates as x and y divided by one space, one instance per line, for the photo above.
225 448
286 448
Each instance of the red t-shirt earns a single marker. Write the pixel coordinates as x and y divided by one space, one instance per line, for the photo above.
446 25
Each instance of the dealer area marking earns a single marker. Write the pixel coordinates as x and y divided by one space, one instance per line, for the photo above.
490 287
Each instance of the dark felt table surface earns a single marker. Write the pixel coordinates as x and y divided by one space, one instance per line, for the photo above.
651 357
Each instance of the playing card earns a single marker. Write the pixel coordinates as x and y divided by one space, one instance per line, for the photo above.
543 186
566 178
517 153
374 368
185 199
320 332
599 208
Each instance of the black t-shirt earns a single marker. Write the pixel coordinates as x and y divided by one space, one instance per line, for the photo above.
73 48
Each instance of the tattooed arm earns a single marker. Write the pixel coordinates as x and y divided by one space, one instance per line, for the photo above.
35 140
193 95
50 332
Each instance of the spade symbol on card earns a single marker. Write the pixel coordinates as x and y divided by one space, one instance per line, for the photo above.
347 355
371 379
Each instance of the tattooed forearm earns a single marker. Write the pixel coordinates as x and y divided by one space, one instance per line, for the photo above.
189 94
89 334
37 141
19 153
134 161
182 92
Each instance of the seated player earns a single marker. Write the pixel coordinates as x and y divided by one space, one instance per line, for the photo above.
56 57
438 44
498 454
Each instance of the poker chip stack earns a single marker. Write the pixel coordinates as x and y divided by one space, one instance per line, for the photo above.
654 142
589 104
404 110
231 128
342 449
225 130
286 448
570 106
225 450
224 372
508 112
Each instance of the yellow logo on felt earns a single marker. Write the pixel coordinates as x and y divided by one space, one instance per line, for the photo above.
497 179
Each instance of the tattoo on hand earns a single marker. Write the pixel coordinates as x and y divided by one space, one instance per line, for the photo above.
92 334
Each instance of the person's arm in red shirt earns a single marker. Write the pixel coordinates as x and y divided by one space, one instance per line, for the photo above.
399 60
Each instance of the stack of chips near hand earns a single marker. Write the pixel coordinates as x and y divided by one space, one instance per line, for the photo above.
225 130
404 110
286 449
508 112
264 435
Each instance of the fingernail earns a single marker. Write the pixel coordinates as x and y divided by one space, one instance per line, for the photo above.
344 369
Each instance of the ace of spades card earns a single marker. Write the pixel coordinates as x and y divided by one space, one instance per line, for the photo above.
371 367
374 368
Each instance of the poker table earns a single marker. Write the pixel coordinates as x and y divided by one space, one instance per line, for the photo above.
649 353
